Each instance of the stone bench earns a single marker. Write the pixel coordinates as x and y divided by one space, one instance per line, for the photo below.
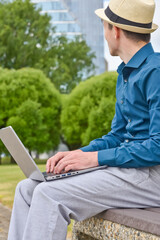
120 224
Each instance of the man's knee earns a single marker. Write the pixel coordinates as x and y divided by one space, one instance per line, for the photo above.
25 188
50 190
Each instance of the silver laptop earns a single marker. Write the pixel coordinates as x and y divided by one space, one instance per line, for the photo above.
25 161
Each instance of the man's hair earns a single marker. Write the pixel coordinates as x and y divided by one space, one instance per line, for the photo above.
137 37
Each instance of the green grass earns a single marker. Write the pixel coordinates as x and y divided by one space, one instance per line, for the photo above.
10 175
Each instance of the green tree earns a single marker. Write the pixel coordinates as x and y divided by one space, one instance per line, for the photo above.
88 111
72 63
24 35
30 103
27 39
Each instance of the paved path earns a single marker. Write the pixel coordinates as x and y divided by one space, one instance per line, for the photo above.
5 214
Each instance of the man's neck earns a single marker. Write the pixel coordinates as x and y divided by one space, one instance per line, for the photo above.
129 49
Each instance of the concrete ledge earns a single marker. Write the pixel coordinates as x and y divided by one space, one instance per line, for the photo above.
5 214
100 229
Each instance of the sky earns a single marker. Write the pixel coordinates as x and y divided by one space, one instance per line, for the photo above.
113 62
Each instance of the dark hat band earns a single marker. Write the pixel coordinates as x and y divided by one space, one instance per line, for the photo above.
115 18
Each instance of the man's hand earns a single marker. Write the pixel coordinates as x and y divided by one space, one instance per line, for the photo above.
72 160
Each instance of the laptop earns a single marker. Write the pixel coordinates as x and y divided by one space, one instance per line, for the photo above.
25 161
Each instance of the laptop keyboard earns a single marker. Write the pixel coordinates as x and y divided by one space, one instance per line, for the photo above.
48 174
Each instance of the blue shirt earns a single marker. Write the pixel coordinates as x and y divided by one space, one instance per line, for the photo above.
134 139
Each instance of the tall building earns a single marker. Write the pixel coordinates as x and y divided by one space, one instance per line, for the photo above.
76 17
91 27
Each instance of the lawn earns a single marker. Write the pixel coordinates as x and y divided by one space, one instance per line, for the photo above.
10 175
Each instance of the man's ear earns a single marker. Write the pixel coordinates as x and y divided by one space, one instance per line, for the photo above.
116 32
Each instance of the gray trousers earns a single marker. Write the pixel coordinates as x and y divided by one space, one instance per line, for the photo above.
43 210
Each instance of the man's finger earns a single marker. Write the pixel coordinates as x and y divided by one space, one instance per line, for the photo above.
67 160
53 161
62 164
48 165
70 167
70 158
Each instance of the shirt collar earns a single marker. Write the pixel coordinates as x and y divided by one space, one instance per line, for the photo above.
137 59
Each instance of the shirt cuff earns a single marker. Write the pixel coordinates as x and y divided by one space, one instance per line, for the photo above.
88 148
107 157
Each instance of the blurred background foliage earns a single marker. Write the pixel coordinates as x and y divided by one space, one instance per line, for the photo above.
27 39
30 103
41 115
88 111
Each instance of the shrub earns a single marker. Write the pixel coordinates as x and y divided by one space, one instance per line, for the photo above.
88 111
31 104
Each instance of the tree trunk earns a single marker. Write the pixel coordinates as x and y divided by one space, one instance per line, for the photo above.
70 146
30 153
37 155
12 160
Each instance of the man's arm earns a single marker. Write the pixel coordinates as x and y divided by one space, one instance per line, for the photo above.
146 153
113 138
88 156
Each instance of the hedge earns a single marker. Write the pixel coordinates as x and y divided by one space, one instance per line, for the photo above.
88 111
30 103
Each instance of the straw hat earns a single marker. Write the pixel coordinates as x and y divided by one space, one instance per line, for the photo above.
131 15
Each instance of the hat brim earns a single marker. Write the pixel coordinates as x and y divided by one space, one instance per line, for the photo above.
101 13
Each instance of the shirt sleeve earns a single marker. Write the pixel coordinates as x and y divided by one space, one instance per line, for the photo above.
113 138
146 153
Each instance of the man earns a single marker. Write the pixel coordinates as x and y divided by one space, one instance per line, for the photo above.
131 150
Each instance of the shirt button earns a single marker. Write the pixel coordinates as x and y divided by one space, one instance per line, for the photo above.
126 140
129 120
122 101
125 80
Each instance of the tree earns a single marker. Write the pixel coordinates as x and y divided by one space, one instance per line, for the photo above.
30 103
88 111
27 39
24 35
73 62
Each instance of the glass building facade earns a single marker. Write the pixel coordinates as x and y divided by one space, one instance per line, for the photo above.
91 27
76 17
